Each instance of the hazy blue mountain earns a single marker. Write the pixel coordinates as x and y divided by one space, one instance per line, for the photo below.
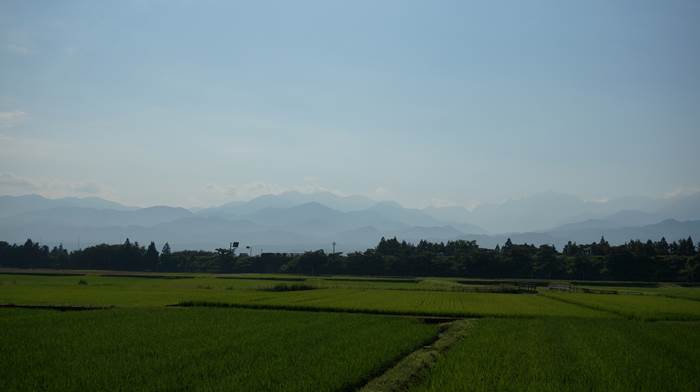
458 217
90 217
302 213
14 205
92 202
189 233
537 212
238 208
681 208
395 212
626 218
590 231
468 228
360 211
309 218
217 232
72 237
289 199
316 219
433 233
636 211
544 211
302 226
448 214
672 229
281 223
590 224
637 203
340 203
357 239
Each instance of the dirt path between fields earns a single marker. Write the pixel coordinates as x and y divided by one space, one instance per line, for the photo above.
414 367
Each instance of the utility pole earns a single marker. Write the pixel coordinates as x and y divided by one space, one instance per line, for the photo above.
333 247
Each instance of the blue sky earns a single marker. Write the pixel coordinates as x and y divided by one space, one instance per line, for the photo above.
198 102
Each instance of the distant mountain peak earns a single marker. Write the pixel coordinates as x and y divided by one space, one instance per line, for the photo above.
669 221
387 204
312 205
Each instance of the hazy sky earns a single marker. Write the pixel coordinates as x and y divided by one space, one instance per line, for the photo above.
197 102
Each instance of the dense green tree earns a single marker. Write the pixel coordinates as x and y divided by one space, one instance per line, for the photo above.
546 263
634 260
686 247
691 270
166 261
151 257
662 247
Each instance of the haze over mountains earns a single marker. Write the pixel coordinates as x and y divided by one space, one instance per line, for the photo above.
294 221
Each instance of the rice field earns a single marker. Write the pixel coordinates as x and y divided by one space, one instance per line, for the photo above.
428 303
261 332
646 307
665 290
570 355
199 349
129 291
692 293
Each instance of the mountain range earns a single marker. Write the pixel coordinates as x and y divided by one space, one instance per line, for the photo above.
295 221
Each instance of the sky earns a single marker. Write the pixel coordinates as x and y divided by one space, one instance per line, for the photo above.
196 103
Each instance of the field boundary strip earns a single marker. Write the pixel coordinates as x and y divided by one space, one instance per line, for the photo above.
672 296
61 308
373 280
412 368
303 308
271 278
147 276
592 307
32 273
631 316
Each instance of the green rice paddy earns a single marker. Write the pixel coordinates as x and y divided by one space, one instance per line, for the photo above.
570 355
247 332
198 349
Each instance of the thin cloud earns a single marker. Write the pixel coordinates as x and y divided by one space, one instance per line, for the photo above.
380 191
254 189
681 191
11 184
12 118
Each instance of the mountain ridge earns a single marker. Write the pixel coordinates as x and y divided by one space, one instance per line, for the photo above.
273 221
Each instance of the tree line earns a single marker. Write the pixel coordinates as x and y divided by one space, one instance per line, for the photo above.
633 261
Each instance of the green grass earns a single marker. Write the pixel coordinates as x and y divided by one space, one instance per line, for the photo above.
546 341
667 290
135 292
646 307
692 293
558 354
412 302
118 291
199 349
